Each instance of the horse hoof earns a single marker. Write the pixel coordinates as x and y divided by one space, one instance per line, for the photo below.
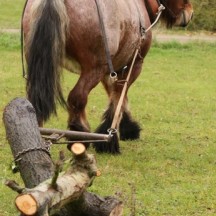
129 129
111 147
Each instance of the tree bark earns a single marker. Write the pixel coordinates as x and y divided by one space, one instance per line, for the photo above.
69 186
29 150
90 204
35 165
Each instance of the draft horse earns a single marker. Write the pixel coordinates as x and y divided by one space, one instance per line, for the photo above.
68 33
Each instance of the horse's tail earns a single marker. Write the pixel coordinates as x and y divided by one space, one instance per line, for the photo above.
45 49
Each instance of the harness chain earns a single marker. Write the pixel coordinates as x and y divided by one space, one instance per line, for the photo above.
24 151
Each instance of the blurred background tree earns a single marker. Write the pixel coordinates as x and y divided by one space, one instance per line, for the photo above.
204 15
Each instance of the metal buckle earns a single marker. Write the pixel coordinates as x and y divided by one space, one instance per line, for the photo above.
113 76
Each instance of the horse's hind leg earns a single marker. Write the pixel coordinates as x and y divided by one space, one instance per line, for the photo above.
129 129
77 101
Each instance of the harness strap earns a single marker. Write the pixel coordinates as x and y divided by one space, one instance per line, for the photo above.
142 26
21 41
143 30
108 55
160 10
115 121
121 99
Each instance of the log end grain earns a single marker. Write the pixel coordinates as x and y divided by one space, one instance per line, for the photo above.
78 149
26 204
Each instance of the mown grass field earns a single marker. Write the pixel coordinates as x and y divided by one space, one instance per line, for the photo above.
171 170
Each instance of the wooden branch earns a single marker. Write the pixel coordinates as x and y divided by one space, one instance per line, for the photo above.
14 186
74 135
58 169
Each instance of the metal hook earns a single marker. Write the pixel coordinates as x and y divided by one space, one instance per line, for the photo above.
112 131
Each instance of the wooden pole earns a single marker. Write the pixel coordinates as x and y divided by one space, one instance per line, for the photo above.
76 135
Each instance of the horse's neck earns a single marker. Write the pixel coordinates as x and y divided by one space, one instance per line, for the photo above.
152 8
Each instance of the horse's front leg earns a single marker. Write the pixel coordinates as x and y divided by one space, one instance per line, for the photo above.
77 100
128 128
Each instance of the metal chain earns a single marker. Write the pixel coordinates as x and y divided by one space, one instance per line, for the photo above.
24 151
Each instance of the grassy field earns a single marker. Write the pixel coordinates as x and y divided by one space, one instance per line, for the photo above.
171 170
10 13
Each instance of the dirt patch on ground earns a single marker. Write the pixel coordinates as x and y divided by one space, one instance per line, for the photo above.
161 37
10 30
164 37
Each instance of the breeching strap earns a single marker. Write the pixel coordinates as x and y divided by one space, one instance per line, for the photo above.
109 60
112 72
21 41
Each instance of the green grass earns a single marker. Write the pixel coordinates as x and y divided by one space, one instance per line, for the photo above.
172 168
10 13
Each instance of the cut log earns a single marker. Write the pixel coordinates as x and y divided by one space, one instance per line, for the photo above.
30 152
94 205
35 165
78 149
71 186
27 204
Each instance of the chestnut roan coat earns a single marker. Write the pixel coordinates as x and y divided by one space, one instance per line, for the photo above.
67 33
